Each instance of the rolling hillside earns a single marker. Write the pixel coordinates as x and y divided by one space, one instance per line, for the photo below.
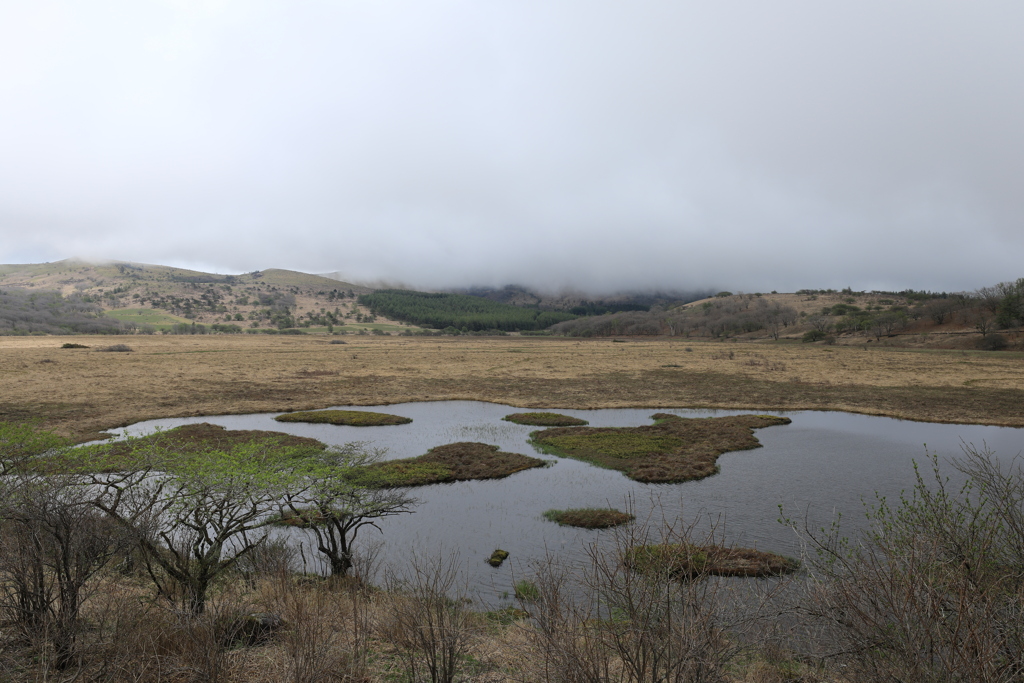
121 296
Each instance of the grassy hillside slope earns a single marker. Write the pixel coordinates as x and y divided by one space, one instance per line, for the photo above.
134 296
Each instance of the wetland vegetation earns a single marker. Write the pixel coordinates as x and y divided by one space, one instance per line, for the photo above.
86 392
168 450
352 418
545 420
589 518
673 449
463 461
684 561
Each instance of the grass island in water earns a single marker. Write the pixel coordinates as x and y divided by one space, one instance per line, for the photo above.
545 420
351 418
673 449
589 518
687 561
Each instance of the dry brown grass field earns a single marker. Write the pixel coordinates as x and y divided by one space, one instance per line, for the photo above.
81 391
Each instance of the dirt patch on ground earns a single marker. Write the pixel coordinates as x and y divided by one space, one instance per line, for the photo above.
182 376
674 449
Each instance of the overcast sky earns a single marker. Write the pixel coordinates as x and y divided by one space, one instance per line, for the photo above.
591 144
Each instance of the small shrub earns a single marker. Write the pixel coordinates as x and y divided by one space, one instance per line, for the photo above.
337 341
993 342
120 348
812 336
69 345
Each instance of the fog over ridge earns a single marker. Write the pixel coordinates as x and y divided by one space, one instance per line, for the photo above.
561 145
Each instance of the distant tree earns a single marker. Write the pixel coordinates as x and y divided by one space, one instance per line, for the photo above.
820 323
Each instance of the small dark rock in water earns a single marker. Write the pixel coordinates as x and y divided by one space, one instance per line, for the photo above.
497 557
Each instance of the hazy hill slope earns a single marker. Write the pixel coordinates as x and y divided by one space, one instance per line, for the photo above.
441 310
132 292
582 302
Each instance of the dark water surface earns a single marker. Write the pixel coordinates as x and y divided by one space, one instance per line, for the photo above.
821 464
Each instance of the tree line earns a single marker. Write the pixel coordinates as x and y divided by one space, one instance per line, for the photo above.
463 312
988 309
24 311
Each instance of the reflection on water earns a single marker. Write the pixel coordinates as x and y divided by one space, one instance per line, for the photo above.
821 464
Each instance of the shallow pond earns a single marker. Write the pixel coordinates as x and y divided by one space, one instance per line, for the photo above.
821 464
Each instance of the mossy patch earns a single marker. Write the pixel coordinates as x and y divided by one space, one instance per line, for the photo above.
589 518
351 418
497 557
688 561
174 447
545 420
462 461
673 449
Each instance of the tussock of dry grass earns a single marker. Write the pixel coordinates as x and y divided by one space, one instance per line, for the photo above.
673 449
179 376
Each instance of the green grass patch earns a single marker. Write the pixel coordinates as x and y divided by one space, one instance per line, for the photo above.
506 616
170 450
351 418
687 561
589 518
146 316
527 591
462 461
673 449
545 420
